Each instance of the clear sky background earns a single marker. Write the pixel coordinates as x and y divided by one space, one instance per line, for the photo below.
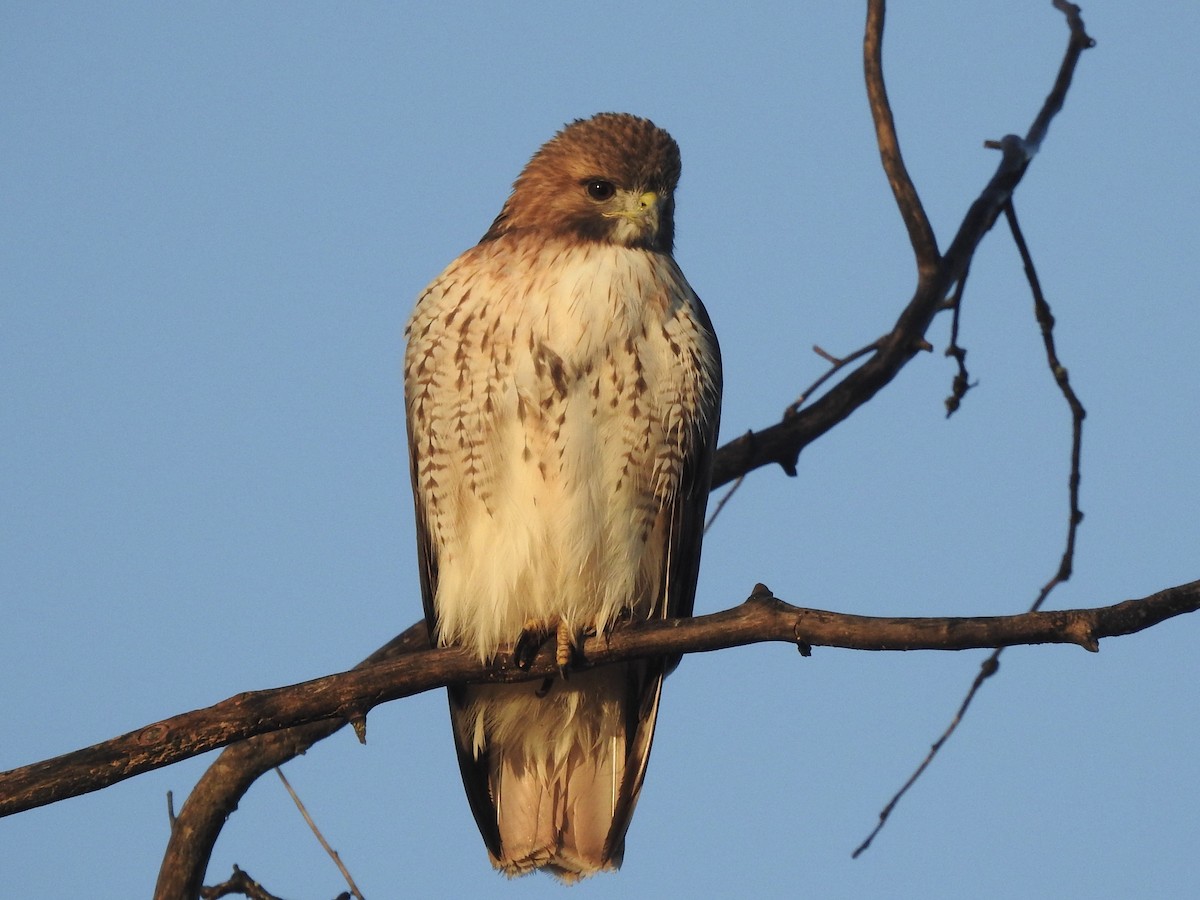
214 219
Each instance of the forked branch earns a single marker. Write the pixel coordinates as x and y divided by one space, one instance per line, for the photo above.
337 699
782 443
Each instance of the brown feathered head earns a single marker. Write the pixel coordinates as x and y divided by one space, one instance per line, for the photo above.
610 178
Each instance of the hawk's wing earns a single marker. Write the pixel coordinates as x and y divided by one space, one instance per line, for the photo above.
474 771
681 567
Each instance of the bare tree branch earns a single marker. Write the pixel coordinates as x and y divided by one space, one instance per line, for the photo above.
1017 154
760 619
920 233
782 443
194 832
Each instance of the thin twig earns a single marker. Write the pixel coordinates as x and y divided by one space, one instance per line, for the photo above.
836 364
333 854
1045 319
721 503
986 671
962 379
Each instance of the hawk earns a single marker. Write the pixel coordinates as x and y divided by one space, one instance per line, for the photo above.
562 385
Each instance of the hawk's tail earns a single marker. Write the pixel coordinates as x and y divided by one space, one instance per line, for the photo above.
561 802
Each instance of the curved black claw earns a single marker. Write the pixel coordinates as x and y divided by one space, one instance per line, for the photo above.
528 645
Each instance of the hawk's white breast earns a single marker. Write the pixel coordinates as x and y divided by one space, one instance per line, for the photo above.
552 389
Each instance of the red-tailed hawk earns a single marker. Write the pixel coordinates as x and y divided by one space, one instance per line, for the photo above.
563 386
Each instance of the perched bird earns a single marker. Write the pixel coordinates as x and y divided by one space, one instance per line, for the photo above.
563 384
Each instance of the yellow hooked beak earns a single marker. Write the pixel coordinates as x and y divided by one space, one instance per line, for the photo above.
648 200
640 212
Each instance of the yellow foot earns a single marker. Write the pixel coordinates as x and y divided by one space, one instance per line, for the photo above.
562 648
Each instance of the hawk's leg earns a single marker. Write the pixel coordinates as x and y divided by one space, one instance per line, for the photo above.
562 648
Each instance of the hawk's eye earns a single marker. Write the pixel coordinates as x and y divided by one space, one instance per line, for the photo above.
599 189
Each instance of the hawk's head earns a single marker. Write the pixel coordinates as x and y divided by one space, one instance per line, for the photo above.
610 178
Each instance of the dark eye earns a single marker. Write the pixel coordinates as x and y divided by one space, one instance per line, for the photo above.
599 189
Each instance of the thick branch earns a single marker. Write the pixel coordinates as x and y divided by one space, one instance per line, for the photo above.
350 695
920 233
216 795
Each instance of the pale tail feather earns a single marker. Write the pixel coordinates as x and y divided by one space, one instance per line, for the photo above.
571 819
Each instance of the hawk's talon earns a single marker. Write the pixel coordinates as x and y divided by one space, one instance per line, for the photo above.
527 647
534 634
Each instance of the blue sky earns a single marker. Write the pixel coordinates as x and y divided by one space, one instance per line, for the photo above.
214 219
